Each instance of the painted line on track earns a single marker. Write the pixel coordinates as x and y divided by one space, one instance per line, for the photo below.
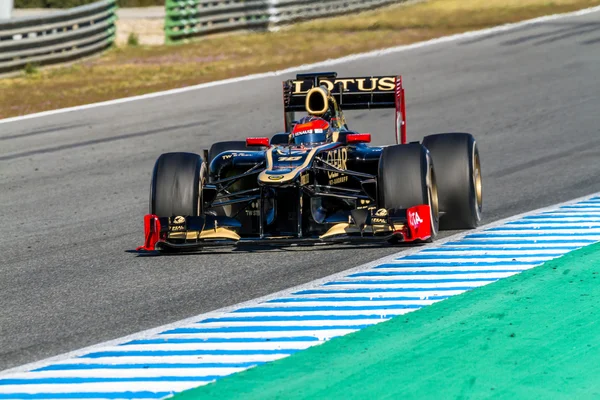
326 63
196 351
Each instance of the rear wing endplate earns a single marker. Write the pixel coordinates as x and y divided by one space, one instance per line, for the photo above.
353 93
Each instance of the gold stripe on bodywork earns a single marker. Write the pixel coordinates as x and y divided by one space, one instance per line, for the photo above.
345 229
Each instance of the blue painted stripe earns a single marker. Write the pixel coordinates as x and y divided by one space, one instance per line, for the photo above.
169 353
451 248
538 244
536 235
282 318
74 367
405 281
580 205
84 395
76 380
507 263
543 222
475 256
541 229
316 308
382 290
408 273
343 299
553 216
219 340
232 329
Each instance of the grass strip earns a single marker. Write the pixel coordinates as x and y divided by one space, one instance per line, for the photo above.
535 335
130 71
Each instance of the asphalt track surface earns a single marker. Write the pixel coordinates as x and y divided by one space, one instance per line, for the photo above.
74 186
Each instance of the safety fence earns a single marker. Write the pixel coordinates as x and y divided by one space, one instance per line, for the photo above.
58 37
189 18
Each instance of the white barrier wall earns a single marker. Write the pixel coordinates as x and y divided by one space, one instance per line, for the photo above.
6 7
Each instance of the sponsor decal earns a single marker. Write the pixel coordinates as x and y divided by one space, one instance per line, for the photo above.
414 219
304 179
370 84
379 220
338 180
179 220
253 209
275 177
336 158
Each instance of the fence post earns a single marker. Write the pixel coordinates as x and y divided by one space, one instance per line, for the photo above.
6 7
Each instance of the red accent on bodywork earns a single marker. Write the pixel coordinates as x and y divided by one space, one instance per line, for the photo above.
358 138
419 222
400 112
257 141
311 126
151 232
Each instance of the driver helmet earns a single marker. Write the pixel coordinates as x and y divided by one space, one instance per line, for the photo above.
310 130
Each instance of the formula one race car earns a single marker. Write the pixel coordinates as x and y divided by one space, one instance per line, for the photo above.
318 181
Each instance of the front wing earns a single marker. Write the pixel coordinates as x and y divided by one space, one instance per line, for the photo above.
193 233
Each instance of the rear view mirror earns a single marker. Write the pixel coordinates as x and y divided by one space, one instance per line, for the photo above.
358 138
257 142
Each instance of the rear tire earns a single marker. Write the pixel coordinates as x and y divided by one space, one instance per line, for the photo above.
176 185
458 167
406 179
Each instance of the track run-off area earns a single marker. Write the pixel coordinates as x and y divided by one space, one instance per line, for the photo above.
74 188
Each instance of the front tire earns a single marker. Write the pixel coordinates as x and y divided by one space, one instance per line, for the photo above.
176 185
457 162
406 179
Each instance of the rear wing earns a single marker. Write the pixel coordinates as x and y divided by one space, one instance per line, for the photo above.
354 93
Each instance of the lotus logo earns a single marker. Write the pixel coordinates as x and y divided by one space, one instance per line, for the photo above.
179 220
275 177
382 212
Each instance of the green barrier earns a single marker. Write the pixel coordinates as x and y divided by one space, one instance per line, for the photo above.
535 335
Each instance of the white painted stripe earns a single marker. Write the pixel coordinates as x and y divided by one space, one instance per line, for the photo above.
487 244
327 63
561 219
324 292
334 303
457 268
503 236
494 252
572 213
474 275
484 259
510 230
557 224
144 360
59 388
410 285
214 346
341 313
125 373
322 322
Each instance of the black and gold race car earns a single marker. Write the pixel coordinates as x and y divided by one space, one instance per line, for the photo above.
318 181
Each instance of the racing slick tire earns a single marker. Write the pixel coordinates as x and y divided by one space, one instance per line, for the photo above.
219 147
176 185
406 179
458 168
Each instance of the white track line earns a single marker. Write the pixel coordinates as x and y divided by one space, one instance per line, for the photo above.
326 63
